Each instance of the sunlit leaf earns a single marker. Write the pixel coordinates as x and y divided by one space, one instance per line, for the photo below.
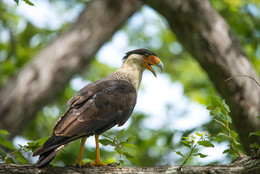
199 134
4 132
205 143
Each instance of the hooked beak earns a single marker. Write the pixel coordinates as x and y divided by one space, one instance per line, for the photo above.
160 66
153 61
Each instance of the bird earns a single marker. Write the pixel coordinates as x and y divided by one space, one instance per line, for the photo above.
99 106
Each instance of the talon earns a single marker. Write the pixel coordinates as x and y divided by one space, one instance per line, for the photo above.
96 163
79 164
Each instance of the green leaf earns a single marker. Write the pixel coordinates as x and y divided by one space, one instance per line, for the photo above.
127 154
9 161
225 105
4 132
257 133
229 119
120 134
131 158
226 151
28 2
216 111
17 2
125 144
6 143
205 143
187 138
210 107
130 139
106 142
223 124
121 162
215 101
20 157
233 134
222 135
33 145
186 143
118 150
199 134
42 141
201 155
179 153
234 142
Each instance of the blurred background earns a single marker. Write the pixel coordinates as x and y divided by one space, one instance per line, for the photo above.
169 107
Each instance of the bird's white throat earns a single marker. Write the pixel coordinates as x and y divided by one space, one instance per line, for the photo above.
133 69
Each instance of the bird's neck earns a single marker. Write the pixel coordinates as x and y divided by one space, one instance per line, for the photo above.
132 72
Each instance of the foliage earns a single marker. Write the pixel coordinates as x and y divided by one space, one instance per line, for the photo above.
220 111
17 154
21 40
120 146
192 142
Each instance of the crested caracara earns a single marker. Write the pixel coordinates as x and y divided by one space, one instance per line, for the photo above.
99 106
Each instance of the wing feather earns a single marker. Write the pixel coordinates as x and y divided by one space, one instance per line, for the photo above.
97 107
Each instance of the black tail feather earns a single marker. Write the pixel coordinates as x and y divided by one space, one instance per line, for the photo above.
47 157
51 147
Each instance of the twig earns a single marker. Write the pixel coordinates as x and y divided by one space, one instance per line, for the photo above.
243 76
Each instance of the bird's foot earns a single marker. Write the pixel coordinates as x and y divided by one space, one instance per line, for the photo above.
79 164
96 163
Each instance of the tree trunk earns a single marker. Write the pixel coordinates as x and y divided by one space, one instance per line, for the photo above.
44 78
246 165
206 35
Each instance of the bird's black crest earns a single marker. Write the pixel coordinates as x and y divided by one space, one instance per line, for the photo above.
138 51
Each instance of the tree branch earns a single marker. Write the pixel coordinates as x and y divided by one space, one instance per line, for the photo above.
206 35
243 165
44 78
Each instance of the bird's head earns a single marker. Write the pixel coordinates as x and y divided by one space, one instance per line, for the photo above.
145 58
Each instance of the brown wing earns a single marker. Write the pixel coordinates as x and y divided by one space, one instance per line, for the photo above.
96 108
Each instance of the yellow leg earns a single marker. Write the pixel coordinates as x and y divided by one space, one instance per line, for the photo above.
79 161
98 161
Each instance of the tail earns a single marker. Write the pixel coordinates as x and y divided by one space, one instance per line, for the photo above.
50 149
47 157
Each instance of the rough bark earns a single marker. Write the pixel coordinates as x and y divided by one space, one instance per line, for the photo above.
206 35
244 165
43 79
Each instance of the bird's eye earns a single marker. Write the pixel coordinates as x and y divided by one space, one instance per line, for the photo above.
146 54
